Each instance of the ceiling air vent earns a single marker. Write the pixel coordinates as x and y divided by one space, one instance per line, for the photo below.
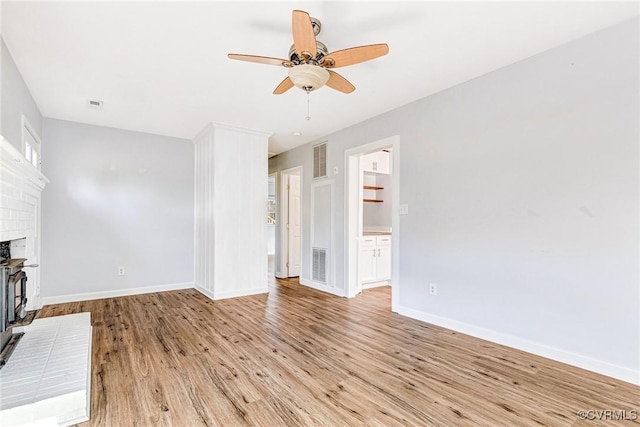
94 103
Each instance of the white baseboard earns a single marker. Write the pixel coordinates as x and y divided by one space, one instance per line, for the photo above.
232 294
601 367
375 284
115 293
321 287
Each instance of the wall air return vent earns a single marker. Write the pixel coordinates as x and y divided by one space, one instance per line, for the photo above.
95 104
319 267
320 160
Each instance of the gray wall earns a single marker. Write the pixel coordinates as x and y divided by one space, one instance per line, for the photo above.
522 188
116 198
16 100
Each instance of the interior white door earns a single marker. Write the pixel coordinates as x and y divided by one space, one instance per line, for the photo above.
294 226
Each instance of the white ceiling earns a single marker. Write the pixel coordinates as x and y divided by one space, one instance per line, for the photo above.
161 67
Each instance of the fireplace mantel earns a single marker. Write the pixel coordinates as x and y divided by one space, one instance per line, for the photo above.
21 186
16 161
12 159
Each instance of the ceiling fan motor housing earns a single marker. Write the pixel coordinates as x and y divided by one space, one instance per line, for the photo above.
321 52
316 24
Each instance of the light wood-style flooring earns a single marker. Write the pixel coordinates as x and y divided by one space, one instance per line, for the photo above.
298 357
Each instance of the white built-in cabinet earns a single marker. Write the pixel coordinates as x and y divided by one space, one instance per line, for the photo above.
375 259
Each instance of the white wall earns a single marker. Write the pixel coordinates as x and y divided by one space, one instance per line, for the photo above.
522 188
116 198
15 101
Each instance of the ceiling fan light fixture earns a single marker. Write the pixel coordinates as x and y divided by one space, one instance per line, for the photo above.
308 77
310 61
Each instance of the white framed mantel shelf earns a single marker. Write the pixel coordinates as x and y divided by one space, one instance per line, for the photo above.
15 162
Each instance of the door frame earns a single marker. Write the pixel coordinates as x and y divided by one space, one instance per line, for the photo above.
273 176
282 234
353 215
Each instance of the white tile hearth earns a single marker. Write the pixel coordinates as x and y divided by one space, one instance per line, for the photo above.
47 379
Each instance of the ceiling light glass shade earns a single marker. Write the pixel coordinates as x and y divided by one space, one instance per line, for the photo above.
308 77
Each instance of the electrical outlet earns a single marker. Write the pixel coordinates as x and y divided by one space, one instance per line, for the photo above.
404 209
120 271
433 289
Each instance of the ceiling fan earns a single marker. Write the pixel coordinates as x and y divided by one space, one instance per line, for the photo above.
310 62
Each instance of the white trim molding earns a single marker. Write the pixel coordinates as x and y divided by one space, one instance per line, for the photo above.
321 287
282 217
27 128
15 162
330 259
619 372
116 293
353 215
213 125
232 294
376 284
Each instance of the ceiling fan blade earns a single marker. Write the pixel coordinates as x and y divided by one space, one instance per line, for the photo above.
303 37
339 83
354 55
284 86
260 59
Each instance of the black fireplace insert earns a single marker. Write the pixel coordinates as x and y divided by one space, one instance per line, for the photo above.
13 303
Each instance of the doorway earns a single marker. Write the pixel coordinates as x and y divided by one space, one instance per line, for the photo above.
362 238
271 224
291 224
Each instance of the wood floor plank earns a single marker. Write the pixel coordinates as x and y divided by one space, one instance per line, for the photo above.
298 357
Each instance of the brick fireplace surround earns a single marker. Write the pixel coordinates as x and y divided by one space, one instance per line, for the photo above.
46 381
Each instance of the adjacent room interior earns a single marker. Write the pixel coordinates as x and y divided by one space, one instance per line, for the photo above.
432 220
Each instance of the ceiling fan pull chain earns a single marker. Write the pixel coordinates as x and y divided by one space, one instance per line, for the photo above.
308 114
